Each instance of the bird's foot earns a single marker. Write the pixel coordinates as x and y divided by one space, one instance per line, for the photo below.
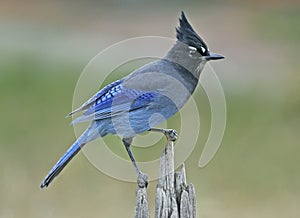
171 134
142 180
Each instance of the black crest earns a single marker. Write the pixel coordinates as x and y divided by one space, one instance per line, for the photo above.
187 35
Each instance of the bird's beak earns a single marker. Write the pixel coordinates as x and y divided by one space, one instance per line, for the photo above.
214 56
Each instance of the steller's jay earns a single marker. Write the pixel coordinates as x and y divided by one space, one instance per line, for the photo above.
129 106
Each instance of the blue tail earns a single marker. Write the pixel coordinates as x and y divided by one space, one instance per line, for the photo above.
71 152
63 161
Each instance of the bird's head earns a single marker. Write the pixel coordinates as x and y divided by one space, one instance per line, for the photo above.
196 46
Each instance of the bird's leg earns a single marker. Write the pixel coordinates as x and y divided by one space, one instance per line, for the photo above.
142 178
171 134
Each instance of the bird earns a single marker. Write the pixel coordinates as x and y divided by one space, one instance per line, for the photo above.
129 106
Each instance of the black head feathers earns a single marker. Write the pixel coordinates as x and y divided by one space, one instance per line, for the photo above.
187 35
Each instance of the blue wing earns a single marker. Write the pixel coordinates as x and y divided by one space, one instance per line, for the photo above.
95 97
113 100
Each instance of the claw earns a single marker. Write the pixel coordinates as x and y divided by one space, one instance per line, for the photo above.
142 180
171 134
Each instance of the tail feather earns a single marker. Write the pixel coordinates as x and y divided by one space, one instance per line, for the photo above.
71 152
63 161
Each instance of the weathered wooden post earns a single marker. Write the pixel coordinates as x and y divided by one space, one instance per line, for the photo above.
141 208
174 198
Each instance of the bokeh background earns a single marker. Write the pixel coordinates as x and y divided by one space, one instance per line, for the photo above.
44 46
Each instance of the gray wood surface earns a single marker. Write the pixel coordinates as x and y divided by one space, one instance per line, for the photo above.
174 198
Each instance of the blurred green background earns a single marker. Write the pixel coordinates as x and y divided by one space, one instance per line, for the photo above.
44 47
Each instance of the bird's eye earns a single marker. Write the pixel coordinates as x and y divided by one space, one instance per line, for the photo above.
192 51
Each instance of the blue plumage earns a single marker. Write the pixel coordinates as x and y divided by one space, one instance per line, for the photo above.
128 106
